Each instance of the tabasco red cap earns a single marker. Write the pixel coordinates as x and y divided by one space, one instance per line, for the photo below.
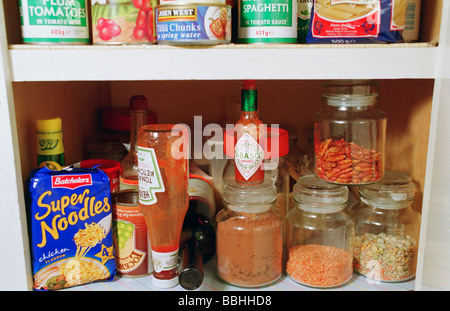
276 145
138 102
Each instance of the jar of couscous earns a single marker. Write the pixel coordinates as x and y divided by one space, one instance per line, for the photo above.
319 237
387 229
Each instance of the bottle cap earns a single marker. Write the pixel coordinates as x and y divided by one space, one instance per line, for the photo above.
138 102
164 283
49 124
249 85
190 278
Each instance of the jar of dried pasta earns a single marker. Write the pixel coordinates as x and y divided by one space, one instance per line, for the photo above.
319 234
249 245
387 229
350 133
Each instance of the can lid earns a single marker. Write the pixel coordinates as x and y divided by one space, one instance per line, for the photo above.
118 118
275 146
49 124
138 102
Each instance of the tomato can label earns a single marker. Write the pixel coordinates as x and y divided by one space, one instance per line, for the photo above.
132 243
193 24
123 22
264 21
54 21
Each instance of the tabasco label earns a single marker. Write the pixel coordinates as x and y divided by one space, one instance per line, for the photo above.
150 180
248 155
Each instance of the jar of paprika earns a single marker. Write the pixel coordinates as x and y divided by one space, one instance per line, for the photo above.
249 243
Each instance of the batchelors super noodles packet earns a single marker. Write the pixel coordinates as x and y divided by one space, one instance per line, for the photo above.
70 217
357 21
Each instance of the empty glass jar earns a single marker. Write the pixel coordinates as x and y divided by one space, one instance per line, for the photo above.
320 234
350 134
387 229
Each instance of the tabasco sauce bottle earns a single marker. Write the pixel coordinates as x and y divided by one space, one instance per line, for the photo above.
249 133
128 175
50 148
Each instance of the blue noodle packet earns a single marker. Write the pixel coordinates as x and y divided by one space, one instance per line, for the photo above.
70 220
356 21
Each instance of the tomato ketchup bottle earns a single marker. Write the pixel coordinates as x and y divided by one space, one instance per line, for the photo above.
163 194
249 133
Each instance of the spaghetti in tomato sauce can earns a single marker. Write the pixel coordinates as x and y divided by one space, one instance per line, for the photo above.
70 217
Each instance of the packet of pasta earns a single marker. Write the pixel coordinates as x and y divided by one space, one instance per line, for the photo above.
70 219
357 21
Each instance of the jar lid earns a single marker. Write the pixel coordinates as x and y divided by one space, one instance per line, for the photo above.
350 93
316 195
251 199
276 145
394 190
118 118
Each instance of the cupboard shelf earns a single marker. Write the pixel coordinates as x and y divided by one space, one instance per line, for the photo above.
222 62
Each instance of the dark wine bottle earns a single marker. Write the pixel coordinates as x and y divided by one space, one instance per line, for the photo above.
197 245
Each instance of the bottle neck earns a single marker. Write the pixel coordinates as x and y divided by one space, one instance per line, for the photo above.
138 118
249 102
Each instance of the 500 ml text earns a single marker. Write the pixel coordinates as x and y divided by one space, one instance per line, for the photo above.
231 300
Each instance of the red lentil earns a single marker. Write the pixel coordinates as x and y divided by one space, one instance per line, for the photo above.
319 265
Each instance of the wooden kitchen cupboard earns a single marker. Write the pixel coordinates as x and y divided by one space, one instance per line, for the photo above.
74 82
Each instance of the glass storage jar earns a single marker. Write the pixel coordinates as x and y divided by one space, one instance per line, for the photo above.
350 133
320 234
249 244
274 165
386 229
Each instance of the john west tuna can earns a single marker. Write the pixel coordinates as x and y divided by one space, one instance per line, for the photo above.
193 23
267 21
54 21
131 240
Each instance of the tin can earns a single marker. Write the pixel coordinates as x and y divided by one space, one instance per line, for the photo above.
267 21
123 22
193 24
131 240
54 22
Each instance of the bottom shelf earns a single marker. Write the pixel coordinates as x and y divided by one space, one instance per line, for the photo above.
212 282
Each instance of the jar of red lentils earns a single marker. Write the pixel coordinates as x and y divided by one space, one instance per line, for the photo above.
386 229
319 234
350 133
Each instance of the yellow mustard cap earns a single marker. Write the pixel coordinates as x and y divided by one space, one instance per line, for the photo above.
49 124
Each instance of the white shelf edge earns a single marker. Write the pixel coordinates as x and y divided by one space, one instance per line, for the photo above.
222 62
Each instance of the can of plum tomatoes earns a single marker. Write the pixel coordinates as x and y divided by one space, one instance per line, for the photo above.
131 240
54 21
123 22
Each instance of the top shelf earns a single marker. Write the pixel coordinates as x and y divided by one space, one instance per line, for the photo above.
222 62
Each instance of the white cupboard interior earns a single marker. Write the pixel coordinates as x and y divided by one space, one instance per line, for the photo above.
407 99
